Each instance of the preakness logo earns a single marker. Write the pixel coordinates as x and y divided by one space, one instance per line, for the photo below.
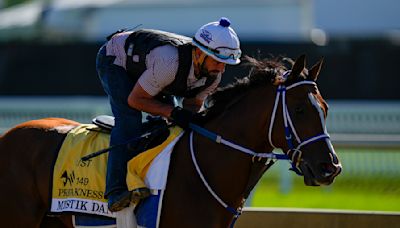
68 178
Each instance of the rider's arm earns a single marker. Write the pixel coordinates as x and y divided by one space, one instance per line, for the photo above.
143 101
162 65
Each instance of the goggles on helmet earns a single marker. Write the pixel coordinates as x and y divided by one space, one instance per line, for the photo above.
227 53
222 52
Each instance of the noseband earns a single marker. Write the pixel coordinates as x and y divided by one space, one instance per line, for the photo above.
294 153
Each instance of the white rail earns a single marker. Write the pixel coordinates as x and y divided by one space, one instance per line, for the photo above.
350 123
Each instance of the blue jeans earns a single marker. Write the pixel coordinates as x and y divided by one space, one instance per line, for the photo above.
128 121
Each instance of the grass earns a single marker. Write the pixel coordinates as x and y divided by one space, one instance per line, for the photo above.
371 182
269 195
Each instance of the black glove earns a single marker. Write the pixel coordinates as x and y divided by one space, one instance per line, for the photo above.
182 117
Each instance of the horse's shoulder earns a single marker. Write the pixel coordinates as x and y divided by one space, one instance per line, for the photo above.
58 124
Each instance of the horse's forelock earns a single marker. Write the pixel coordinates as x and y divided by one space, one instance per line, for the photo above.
268 69
273 70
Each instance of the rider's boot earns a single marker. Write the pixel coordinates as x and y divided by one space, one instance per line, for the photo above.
116 191
119 200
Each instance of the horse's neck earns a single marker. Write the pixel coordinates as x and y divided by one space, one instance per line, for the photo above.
245 124
226 170
187 202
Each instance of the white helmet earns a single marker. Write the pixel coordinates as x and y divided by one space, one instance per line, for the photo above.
219 41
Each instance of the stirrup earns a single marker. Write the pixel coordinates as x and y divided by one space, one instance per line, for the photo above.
119 200
139 194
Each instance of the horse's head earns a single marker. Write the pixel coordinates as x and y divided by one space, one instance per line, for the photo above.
303 121
274 107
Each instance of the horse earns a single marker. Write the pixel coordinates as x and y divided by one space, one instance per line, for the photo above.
277 105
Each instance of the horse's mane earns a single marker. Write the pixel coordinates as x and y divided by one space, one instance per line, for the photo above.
262 72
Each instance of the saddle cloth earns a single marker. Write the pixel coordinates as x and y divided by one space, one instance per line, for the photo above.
78 186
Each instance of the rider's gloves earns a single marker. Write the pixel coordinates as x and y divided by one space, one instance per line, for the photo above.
182 117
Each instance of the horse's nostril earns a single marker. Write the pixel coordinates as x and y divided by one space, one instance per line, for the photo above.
327 174
329 170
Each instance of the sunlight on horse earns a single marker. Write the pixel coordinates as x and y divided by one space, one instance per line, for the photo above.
258 112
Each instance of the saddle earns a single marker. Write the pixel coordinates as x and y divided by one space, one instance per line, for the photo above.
155 131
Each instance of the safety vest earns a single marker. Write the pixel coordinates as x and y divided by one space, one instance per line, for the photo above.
142 41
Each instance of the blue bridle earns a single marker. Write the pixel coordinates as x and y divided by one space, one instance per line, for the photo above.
290 132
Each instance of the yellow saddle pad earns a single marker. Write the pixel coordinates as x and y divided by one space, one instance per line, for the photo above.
79 186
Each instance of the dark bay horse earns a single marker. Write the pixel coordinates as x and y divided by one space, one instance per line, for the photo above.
273 107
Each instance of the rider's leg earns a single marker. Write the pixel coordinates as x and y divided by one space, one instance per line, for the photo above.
127 126
117 84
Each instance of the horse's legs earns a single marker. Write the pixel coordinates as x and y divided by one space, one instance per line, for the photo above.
19 207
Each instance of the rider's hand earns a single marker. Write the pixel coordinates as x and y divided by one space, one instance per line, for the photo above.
182 117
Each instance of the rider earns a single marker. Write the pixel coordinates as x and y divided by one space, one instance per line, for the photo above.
137 68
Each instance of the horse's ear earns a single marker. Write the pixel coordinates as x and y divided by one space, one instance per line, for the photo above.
314 71
298 67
